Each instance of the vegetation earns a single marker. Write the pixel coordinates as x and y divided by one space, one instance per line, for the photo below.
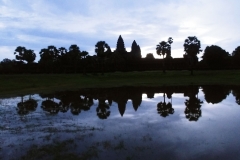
73 60
164 48
23 75
214 56
35 83
192 47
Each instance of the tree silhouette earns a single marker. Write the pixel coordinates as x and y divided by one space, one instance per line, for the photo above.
74 55
150 56
164 109
76 104
192 47
87 102
102 50
49 105
65 100
7 65
193 111
236 55
85 60
236 93
164 48
215 94
48 57
103 109
23 54
214 55
117 61
84 54
62 51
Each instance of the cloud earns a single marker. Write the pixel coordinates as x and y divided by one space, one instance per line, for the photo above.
7 52
38 24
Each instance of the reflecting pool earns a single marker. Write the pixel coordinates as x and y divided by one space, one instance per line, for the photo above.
179 122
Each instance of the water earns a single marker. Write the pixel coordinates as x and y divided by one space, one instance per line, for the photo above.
192 122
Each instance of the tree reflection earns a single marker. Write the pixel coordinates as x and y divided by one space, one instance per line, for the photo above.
236 93
49 105
26 107
76 104
87 102
65 101
215 94
164 109
103 109
193 105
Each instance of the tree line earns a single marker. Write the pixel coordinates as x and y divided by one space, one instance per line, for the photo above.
73 60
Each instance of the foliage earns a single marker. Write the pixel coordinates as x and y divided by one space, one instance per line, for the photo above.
6 65
164 48
49 55
236 52
215 94
192 47
84 54
236 55
102 49
150 56
23 54
214 55
74 53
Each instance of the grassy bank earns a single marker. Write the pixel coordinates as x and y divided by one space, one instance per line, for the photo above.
35 83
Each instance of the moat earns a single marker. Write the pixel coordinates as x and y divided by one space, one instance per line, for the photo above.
185 122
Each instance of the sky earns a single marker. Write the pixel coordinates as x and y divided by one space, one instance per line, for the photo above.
38 24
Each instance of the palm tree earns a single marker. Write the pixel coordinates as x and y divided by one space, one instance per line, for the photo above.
164 109
164 48
193 104
193 111
102 49
192 47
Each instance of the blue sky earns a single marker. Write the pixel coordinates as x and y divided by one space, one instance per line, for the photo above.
38 24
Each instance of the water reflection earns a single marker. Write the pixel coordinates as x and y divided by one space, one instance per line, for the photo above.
103 109
193 104
135 118
215 94
236 93
24 107
48 104
77 101
165 109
